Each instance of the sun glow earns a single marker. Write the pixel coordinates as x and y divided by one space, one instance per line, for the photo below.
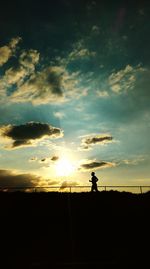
64 167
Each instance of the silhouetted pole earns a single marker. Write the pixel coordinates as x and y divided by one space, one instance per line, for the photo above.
141 189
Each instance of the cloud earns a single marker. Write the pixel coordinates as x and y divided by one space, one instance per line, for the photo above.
66 184
14 75
29 59
87 142
50 85
33 159
79 52
102 94
22 82
10 178
15 179
14 42
29 133
132 86
54 158
59 114
125 79
87 165
42 87
134 161
7 51
95 29
26 66
45 160
71 84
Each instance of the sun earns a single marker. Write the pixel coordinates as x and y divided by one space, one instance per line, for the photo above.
64 167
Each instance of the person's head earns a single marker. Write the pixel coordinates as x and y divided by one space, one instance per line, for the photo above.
93 173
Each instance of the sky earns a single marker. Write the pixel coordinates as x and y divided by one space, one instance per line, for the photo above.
74 92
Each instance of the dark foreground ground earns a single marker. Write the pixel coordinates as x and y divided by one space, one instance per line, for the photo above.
84 230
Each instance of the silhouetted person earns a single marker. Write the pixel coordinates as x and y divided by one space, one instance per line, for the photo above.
94 180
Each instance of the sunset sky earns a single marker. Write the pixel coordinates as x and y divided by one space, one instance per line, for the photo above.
74 92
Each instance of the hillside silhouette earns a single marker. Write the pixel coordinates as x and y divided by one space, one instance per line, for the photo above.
74 230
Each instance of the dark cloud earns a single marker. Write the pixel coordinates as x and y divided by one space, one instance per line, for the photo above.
90 165
54 158
97 139
27 134
43 160
11 179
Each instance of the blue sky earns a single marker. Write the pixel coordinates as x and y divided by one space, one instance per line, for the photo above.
74 86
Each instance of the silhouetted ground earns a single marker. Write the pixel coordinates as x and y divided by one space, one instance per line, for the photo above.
74 230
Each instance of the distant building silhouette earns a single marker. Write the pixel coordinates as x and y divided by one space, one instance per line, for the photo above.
94 180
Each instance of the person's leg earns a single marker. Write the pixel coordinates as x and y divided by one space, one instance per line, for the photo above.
96 189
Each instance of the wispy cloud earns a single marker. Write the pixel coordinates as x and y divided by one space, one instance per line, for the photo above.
124 80
59 114
52 84
102 94
29 59
25 67
14 75
95 29
24 82
20 71
133 161
7 51
41 87
79 51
